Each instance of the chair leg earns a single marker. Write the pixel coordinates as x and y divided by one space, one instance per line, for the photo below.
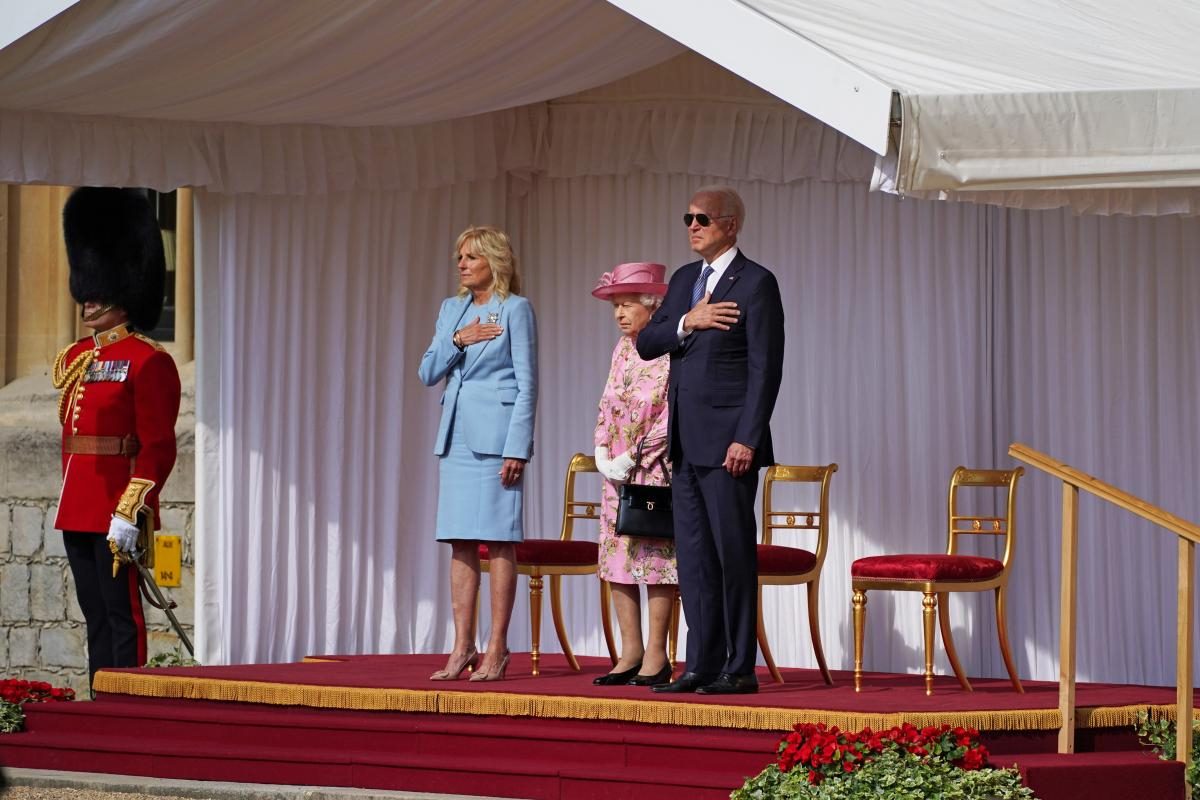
860 621
814 629
606 619
559 627
535 622
928 611
673 632
943 599
763 645
1002 629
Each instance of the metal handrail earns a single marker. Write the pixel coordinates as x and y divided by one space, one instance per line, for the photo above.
1105 491
1188 534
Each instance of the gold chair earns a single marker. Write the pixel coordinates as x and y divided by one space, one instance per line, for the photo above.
936 575
792 566
538 558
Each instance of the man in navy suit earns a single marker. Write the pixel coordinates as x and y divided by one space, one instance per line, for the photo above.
722 323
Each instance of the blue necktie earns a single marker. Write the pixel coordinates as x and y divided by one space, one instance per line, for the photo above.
701 282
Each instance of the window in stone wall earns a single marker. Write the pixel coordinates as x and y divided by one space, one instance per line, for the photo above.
164 206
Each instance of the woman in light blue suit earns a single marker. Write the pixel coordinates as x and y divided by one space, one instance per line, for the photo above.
485 348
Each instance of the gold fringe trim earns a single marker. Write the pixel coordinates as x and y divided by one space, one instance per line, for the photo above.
720 716
588 708
1116 716
277 694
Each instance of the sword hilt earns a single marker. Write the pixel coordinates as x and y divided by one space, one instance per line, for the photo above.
121 557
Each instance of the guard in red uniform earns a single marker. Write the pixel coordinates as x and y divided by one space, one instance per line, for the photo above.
119 402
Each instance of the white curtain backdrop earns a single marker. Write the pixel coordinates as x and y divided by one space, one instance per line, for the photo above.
318 490
921 336
1098 363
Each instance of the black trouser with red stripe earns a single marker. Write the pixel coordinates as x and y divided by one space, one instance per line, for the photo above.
112 607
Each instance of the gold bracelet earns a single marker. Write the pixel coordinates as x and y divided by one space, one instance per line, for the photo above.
455 341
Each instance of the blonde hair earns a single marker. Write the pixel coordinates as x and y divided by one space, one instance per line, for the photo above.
493 244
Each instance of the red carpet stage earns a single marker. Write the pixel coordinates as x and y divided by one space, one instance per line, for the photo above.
378 722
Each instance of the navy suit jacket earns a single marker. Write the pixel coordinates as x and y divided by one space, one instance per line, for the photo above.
723 384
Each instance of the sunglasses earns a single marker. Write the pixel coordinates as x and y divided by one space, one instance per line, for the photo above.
704 219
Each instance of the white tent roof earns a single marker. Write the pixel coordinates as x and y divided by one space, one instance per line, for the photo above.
1028 103
354 64
1097 98
20 18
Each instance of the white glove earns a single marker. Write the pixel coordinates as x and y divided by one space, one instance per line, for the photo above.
124 534
612 469
602 461
621 466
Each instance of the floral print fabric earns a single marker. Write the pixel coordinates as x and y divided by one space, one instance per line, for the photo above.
633 408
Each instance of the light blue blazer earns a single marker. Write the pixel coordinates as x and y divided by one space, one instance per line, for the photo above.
491 389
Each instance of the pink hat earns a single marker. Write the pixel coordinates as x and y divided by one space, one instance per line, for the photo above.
637 278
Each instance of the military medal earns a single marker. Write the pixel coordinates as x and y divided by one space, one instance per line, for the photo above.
107 371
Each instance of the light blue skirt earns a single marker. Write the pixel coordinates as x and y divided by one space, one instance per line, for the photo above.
471 502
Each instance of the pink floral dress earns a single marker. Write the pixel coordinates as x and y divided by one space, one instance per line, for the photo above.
633 407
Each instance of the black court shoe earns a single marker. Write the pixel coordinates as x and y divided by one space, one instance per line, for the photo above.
618 678
663 676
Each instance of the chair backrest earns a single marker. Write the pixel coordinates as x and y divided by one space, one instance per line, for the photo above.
959 524
573 507
777 518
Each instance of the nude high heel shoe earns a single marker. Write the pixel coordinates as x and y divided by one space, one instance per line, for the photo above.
472 660
495 675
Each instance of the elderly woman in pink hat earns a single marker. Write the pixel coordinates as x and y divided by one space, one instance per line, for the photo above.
633 415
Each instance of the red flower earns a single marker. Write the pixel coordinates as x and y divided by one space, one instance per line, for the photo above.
828 752
17 692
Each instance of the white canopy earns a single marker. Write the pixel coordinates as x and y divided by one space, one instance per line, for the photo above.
1095 105
20 18
1092 104
238 96
309 61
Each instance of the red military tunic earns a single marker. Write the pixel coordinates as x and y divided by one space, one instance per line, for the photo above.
115 384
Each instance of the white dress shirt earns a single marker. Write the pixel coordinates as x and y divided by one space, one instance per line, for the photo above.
719 265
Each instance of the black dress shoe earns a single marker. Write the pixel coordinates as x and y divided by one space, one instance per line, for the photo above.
659 678
618 678
727 683
687 682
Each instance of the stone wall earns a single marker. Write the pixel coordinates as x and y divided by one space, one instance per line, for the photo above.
41 627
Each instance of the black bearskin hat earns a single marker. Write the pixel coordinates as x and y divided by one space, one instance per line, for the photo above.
115 251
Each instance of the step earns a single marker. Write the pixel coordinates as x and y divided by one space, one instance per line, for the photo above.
499 756
538 775
648 783
1127 775
568 741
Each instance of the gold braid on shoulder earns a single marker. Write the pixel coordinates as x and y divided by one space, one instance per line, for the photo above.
144 338
66 378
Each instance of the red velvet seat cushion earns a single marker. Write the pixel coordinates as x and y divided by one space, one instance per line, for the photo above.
774 559
553 552
926 567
